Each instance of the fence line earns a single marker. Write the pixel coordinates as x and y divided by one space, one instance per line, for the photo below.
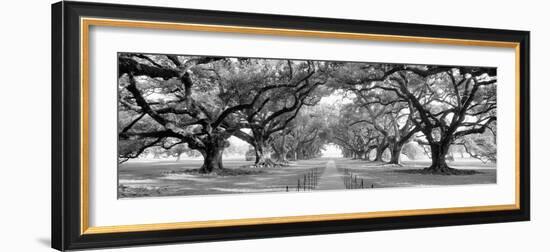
307 181
353 181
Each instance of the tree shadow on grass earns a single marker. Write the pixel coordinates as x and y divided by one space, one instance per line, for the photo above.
451 171
220 173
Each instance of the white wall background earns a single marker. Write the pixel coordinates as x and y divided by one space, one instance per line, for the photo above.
25 125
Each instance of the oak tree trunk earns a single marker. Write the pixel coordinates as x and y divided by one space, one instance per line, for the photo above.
283 151
263 156
212 159
213 154
379 151
439 163
396 153
282 156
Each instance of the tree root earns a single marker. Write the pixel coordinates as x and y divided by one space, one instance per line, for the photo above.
439 171
448 171
392 165
268 163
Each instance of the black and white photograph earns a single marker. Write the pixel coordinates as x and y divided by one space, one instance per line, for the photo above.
275 126
202 125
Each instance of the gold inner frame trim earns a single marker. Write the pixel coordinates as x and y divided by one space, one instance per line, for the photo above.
289 219
85 24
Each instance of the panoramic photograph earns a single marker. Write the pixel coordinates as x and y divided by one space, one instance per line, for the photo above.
204 125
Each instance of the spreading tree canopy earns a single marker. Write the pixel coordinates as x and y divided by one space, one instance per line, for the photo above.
167 100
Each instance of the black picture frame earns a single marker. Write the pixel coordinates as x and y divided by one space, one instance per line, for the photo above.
66 125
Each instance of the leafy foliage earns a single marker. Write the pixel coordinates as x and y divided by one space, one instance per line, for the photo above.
183 104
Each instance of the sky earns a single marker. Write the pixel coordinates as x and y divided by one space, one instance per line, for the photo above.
331 150
336 97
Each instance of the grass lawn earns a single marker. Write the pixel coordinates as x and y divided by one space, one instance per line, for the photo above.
379 174
169 178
